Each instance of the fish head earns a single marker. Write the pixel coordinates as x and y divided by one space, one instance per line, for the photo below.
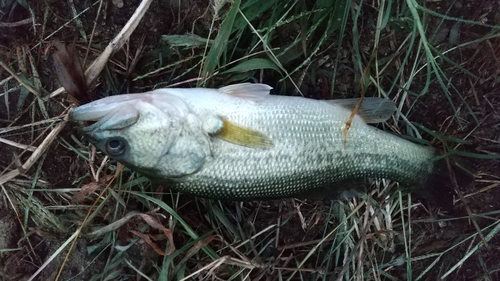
138 130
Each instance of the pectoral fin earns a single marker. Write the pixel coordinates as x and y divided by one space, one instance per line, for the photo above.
239 135
372 110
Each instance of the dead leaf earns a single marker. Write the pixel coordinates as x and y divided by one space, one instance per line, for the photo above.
70 72
85 191
146 239
157 225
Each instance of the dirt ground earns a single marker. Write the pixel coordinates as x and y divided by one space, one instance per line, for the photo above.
26 47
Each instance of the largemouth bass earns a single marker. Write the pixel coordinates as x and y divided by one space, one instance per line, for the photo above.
239 142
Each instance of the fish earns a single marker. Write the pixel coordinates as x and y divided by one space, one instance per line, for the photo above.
239 142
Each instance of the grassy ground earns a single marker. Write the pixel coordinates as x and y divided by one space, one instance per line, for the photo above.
69 213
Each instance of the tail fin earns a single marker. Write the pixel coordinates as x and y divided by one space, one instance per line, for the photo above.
448 174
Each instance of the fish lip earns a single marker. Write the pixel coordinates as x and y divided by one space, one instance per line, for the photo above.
99 115
97 109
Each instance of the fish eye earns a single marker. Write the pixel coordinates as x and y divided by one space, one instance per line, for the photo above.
115 147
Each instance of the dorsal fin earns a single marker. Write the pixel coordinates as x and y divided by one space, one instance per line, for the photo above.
372 110
249 91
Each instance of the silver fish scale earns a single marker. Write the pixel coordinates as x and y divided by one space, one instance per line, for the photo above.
308 155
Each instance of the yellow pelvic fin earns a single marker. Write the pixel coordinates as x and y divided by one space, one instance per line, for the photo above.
239 135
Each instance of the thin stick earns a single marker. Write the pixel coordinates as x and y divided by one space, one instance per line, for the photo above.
18 145
11 72
35 156
16 23
75 236
96 67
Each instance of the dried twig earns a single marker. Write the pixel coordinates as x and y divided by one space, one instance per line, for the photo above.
15 24
35 156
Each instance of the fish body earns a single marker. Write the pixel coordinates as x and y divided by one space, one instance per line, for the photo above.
240 143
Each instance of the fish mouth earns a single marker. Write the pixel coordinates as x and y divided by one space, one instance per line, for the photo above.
110 113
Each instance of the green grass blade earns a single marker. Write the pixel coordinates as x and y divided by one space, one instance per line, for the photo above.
220 43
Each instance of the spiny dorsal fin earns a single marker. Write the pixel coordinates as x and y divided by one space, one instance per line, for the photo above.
372 110
239 135
247 90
